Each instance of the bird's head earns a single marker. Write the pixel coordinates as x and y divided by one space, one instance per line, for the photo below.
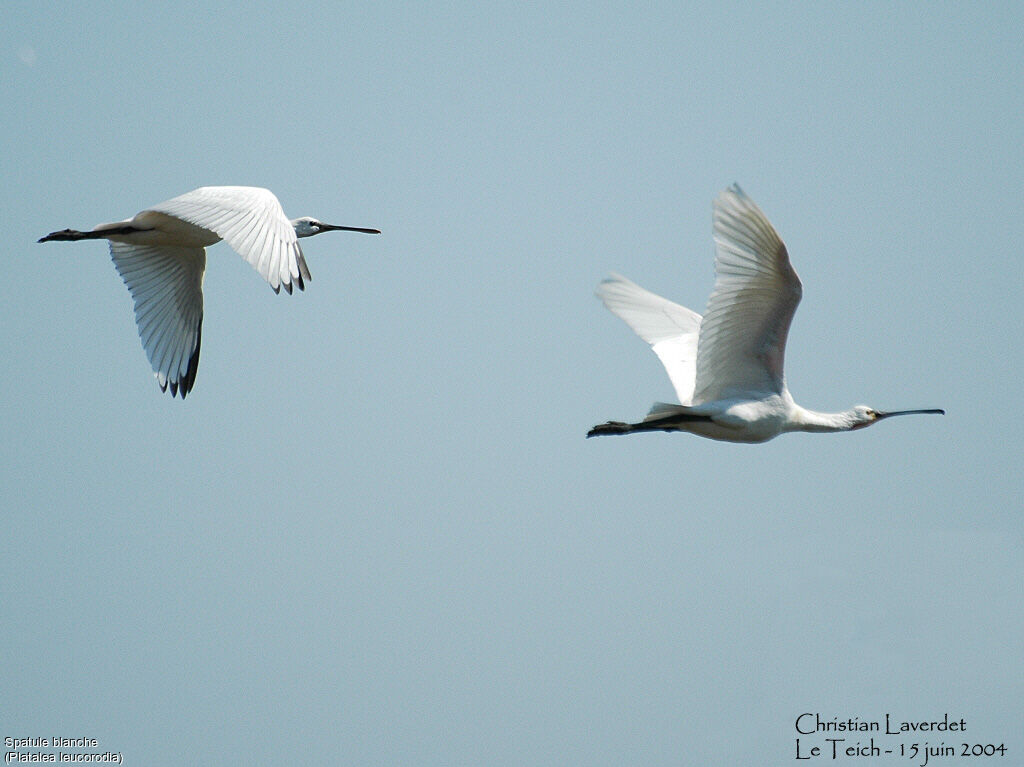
862 415
307 226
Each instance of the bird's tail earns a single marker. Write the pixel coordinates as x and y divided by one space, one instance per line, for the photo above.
661 409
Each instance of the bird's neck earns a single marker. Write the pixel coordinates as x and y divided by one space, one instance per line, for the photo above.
811 420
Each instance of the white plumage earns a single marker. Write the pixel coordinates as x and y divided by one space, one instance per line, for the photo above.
669 328
160 254
728 367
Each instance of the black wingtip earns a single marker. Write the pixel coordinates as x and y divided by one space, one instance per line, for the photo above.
189 380
183 385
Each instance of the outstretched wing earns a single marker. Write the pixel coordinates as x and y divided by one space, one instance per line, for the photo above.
166 284
251 221
742 344
669 328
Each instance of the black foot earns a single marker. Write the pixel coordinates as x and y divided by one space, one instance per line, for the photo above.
611 427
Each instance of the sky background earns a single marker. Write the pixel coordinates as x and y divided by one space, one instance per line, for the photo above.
374 533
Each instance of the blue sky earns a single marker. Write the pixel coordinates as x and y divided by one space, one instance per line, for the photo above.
374 533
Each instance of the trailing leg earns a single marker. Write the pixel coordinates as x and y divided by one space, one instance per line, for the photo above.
67 235
670 422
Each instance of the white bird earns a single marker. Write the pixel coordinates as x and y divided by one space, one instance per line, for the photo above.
160 255
727 367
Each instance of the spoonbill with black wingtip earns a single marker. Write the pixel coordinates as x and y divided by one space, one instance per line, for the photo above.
160 253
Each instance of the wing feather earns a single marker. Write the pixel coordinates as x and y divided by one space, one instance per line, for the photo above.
166 284
669 328
742 343
252 222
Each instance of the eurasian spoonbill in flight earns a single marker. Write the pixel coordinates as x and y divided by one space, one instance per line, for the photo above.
727 367
160 255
